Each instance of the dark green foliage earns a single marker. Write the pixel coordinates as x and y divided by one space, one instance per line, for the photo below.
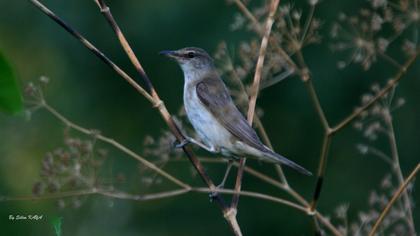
10 96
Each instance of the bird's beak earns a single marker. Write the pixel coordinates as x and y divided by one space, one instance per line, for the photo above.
169 53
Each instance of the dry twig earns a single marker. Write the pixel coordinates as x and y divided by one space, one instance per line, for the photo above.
254 92
393 199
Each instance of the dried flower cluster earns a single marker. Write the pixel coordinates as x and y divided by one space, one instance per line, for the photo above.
369 34
73 166
375 123
291 33
396 222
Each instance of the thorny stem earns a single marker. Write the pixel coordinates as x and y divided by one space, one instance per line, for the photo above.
153 98
397 169
254 92
393 199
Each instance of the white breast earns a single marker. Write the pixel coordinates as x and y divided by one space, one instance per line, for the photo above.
209 130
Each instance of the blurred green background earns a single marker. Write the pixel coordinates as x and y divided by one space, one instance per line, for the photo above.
92 95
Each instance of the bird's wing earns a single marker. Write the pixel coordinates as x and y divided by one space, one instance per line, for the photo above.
214 95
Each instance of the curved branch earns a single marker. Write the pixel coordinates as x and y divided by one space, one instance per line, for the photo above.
393 199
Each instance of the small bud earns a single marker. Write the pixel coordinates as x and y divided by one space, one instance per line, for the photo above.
341 65
363 149
400 102
44 79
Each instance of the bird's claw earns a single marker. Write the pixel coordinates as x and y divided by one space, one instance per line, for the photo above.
213 195
181 144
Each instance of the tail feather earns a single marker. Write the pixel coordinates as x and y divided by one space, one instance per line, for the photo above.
277 158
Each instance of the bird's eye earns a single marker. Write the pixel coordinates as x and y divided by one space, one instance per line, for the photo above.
190 55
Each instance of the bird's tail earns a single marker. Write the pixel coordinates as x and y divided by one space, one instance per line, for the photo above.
277 158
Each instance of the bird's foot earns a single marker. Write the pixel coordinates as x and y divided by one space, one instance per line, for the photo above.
221 186
181 144
216 191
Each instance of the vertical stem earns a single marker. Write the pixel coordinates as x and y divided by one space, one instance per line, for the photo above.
397 169
254 93
321 171
307 80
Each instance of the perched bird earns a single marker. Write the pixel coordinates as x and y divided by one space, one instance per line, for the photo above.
218 122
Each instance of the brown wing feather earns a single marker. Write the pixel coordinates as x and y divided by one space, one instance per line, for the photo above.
214 95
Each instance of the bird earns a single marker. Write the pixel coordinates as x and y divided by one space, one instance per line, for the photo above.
219 124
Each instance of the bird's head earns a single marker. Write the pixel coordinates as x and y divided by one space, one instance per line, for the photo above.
191 59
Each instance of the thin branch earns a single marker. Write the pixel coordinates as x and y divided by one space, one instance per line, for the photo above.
166 115
92 48
249 15
397 168
105 10
152 196
321 170
380 155
154 99
390 59
49 196
307 24
260 62
257 121
254 92
393 199
99 191
165 194
259 30
315 100
266 140
331 131
259 175
390 85
116 144
307 80
326 222
254 195
144 197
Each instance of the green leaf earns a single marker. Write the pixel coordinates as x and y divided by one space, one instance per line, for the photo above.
57 223
10 96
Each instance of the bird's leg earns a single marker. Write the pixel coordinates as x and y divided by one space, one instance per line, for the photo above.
228 168
189 140
222 184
